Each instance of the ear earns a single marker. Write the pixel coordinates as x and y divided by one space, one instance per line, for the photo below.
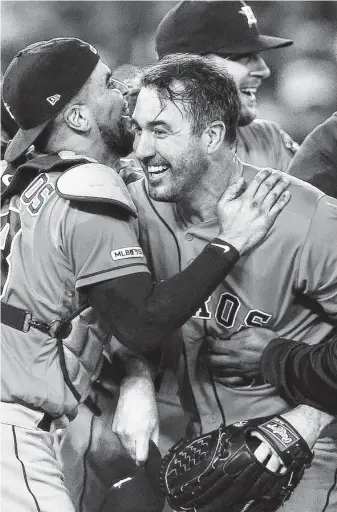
214 136
77 118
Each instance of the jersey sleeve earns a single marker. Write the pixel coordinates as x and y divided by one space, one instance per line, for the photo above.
317 275
101 247
316 160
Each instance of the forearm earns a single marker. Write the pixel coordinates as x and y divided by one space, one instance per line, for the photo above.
309 422
303 374
142 314
134 364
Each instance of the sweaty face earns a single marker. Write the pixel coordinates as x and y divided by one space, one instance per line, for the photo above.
110 110
248 72
171 154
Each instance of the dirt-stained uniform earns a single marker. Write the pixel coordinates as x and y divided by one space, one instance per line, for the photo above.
259 291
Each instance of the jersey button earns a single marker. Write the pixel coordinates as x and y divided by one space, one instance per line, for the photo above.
189 237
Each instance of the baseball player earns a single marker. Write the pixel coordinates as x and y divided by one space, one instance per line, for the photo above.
75 246
227 33
305 374
186 170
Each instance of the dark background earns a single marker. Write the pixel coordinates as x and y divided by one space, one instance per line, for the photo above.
301 92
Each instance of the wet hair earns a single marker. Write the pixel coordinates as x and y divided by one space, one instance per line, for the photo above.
208 94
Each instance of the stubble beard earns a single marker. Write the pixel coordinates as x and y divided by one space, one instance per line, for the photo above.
117 138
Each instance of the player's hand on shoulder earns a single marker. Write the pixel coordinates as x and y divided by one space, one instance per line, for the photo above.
136 417
246 213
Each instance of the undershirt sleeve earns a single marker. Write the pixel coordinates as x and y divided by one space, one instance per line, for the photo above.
303 374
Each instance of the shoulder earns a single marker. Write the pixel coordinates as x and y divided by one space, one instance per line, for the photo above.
93 182
261 127
303 202
316 160
269 132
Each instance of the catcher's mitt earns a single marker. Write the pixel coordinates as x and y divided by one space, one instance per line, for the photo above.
218 472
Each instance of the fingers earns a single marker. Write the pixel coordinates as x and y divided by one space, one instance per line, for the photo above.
230 381
279 205
256 182
217 345
276 194
141 450
271 189
268 457
264 182
223 363
234 189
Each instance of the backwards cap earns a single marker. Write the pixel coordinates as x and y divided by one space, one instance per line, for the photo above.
39 82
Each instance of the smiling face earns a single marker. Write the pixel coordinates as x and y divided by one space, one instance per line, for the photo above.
172 155
248 72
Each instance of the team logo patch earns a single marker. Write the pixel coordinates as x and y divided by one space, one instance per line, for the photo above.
247 11
53 99
289 143
280 432
127 252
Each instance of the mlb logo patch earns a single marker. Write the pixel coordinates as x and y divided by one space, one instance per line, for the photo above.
127 252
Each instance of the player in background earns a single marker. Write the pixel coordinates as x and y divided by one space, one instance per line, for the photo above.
316 162
305 374
301 373
268 288
77 247
227 33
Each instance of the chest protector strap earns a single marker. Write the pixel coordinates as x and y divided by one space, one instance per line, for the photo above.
94 182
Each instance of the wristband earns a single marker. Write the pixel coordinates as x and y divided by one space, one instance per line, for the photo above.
224 248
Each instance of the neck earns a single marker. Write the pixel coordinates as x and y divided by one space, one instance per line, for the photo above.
201 203
102 154
91 148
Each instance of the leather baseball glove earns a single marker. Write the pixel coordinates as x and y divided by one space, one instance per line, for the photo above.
218 472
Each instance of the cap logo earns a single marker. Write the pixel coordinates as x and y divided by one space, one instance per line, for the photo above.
8 108
53 99
247 11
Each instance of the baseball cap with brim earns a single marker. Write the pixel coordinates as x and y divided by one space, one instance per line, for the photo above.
22 140
224 28
39 82
260 44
